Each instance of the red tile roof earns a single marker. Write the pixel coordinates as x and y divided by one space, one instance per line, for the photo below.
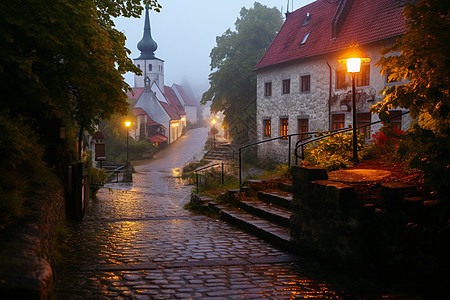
158 139
170 111
170 95
187 99
368 21
138 111
137 93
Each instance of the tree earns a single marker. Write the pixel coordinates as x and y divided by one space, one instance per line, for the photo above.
61 62
424 63
233 82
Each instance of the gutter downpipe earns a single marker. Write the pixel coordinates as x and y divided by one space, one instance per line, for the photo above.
329 97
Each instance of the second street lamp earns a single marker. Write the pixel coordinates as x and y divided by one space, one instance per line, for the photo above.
353 60
214 132
127 124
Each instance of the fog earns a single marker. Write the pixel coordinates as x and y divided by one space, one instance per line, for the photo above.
186 31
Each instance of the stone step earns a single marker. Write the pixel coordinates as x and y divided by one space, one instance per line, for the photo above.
272 213
285 186
270 232
279 198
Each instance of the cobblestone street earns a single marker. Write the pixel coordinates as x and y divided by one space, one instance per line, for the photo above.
138 242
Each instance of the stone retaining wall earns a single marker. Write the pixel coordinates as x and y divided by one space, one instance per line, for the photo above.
330 220
26 252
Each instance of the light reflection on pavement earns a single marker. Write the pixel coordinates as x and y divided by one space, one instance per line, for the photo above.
137 241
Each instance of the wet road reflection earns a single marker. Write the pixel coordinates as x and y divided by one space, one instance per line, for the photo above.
137 241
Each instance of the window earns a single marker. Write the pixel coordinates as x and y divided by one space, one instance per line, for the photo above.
340 79
338 121
363 77
396 121
286 86
364 119
150 67
267 128
304 39
306 83
303 127
139 66
268 89
284 130
308 16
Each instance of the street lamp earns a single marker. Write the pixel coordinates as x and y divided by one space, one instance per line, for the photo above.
353 59
127 124
214 132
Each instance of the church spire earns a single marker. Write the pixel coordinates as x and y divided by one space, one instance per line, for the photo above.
147 45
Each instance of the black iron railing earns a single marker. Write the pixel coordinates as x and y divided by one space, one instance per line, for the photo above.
207 167
304 141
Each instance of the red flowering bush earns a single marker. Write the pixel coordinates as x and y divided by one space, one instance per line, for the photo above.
386 141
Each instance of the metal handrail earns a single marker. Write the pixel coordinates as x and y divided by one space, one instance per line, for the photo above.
288 136
297 146
207 167
301 145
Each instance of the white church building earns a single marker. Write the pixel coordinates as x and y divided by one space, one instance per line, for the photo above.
162 112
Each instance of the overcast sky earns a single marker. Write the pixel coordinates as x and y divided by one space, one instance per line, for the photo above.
186 31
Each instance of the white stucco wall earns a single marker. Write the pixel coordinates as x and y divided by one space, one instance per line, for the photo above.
155 75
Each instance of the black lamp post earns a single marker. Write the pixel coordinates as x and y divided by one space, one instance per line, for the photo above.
127 124
353 60
214 132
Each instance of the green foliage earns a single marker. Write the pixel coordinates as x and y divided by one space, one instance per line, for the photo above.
192 166
424 62
21 166
233 82
282 171
335 152
62 61
425 150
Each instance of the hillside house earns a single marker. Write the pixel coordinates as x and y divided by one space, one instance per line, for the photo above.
301 87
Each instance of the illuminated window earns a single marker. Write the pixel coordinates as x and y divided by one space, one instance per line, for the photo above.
303 126
286 86
338 121
306 83
268 89
284 127
363 77
267 127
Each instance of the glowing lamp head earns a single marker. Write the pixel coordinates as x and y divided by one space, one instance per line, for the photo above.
353 59
214 121
127 123
183 119
353 65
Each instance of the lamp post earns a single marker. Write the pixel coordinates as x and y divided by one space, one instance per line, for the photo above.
127 124
214 132
353 60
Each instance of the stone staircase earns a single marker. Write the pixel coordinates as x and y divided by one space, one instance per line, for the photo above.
222 151
262 208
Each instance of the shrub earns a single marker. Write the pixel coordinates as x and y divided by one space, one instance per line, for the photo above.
386 141
21 166
335 152
427 151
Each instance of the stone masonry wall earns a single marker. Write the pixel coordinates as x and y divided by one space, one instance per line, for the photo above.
314 105
27 252
398 238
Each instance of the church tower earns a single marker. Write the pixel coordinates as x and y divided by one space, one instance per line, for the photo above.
151 66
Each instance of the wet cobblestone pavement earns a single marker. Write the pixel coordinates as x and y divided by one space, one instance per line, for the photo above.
138 242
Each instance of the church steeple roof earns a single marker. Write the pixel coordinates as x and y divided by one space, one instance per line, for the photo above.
147 45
